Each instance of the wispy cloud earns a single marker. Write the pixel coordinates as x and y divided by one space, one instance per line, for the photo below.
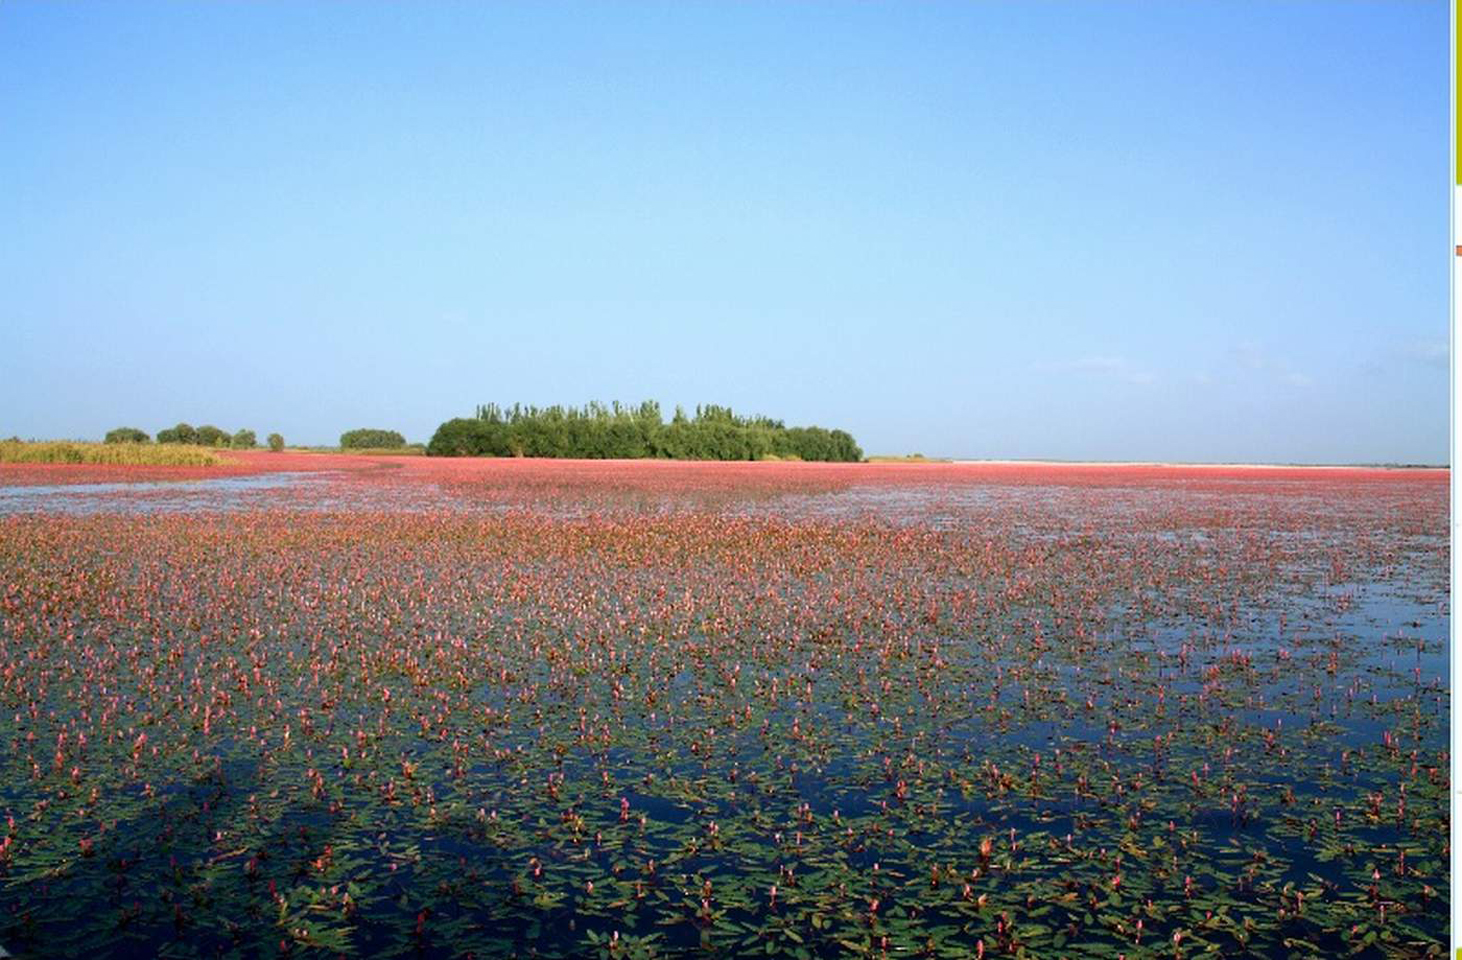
1404 357
1250 357
1433 352
1111 367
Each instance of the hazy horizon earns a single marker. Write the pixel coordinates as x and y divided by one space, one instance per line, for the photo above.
1196 233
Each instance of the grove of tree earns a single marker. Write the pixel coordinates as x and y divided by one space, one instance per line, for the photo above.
623 431
371 438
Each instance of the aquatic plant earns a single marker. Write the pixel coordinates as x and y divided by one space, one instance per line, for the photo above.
487 708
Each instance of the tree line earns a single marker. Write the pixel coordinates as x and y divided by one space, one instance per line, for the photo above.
366 438
624 431
205 436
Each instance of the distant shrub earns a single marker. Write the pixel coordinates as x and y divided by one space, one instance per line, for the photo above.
369 437
127 435
211 436
276 442
410 450
182 433
244 440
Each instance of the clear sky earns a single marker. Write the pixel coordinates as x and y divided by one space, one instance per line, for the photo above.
1088 230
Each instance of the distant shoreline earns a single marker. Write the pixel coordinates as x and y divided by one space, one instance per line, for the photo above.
1200 463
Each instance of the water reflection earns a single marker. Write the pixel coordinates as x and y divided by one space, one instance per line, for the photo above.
170 496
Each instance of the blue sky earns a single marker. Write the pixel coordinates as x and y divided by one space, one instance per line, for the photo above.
1097 230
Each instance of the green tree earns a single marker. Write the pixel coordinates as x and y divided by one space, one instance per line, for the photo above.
368 437
182 433
127 435
211 436
244 440
620 430
276 442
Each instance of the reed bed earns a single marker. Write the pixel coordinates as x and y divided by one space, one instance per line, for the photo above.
74 451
